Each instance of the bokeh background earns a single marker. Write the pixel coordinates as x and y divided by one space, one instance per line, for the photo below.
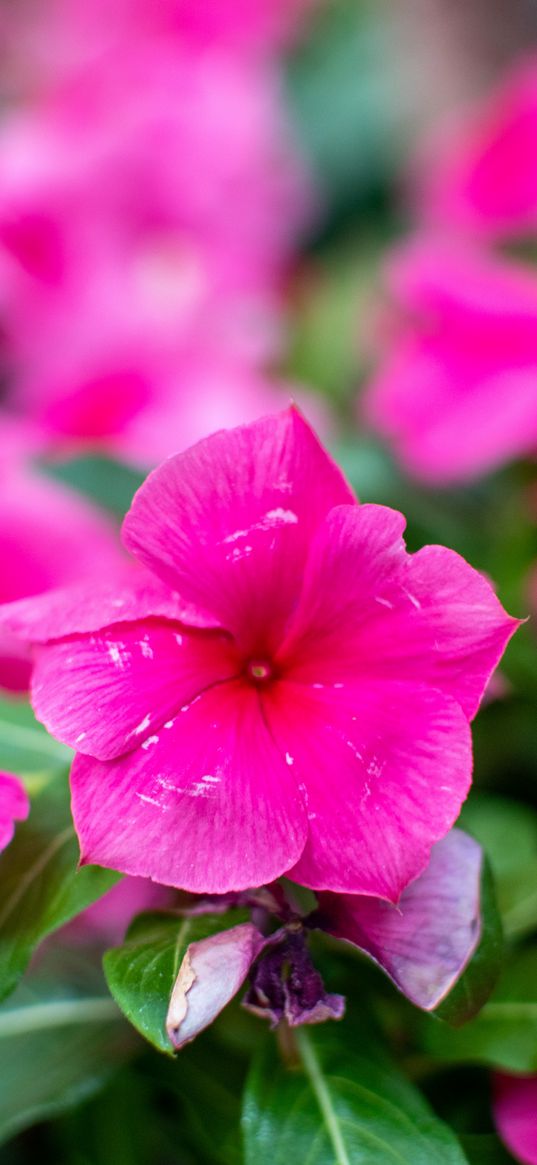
207 208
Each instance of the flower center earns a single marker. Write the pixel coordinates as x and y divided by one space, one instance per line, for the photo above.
260 671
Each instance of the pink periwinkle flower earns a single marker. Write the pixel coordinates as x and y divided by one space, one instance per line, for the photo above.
515 1114
455 391
285 689
14 806
478 175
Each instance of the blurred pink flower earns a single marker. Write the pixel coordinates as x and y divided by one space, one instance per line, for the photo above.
455 393
14 806
479 174
41 48
515 1114
49 536
124 279
288 691
106 921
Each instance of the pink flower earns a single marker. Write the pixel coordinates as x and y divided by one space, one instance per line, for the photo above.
456 394
515 1114
105 922
14 806
42 48
115 232
286 689
479 175
49 536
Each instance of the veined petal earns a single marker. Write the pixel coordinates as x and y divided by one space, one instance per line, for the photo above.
207 804
228 523
425 942
105 694
370 609
383 768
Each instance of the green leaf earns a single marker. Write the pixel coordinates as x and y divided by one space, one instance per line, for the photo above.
42 888
474 987
141 973
338 1104
59 1050
199 1087
25 746
494 821
504 1034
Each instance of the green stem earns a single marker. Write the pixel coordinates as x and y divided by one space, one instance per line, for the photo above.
324 1100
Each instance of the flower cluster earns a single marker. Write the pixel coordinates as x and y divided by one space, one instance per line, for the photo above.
455 390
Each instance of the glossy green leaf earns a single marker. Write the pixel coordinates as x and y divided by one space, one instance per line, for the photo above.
142 971
338 1103
475 985
60 1048
42 888
504 1034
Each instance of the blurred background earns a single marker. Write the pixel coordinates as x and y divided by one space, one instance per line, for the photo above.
211 207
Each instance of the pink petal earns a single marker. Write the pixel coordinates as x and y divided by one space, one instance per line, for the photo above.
228 523
384 769
515 1114
425 942
126 595
211 973
206 804
369 609
105 693
14 806
455 393
479 173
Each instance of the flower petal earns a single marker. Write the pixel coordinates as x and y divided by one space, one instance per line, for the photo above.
122 597
105 693
228 523
515 1108
370 609
14 806
384 768
206 804
425 942
211 973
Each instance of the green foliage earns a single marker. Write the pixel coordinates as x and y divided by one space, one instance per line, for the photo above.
59 1048
42 888
141 973
101 478
338 1102
507 831
26 748
504 1034
485 1150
